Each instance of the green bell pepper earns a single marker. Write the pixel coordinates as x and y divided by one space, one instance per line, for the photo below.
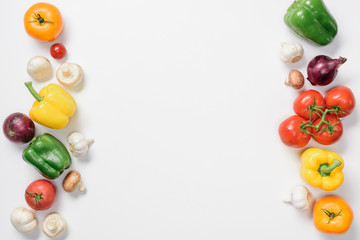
311 20
48 155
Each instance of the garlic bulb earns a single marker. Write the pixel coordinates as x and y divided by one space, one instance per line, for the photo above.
291 52
54 225
300 198
79 145
23 220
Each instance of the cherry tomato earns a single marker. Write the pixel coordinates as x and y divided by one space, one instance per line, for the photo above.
330 136
40 194
291 133
332 215
307 102
43 22
342 97
57 51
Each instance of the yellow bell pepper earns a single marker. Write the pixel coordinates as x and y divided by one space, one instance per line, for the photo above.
53 106
322 168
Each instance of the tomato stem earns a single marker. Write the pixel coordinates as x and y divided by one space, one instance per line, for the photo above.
331 215
313 108
36 196
39 19
337 110
329 128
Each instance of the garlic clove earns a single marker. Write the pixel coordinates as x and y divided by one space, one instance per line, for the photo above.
54 225
69 74
300 197
291 52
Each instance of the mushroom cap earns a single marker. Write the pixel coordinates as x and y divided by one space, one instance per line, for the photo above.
71 181
39 68
69 74
23 220
54 225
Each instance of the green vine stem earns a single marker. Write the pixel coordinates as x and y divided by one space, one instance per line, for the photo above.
321 113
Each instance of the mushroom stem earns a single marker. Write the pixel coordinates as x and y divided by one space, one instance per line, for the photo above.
66 71
90 141
287 82
69 74
81 186
52 226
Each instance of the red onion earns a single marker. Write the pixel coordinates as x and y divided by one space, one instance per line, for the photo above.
19 128
322 69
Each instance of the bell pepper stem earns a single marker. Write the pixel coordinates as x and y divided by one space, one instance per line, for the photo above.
326 169
33 92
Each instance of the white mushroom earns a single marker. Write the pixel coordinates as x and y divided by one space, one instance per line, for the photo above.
72 181
39 68
78 144
23 220
69 74
54 225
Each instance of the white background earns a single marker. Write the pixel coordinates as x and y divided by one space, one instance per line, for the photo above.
183 99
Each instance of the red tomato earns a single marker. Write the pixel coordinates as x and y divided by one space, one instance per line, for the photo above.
330 136
292 134
342 97
307 102
40 194
57 51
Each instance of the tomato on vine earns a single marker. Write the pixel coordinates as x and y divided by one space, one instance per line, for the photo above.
317 117
342 99
330 130
292 132
307 104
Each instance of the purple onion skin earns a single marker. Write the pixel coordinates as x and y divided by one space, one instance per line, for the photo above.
19 128
322 69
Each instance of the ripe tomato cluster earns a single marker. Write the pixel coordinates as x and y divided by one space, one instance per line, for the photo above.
317 117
